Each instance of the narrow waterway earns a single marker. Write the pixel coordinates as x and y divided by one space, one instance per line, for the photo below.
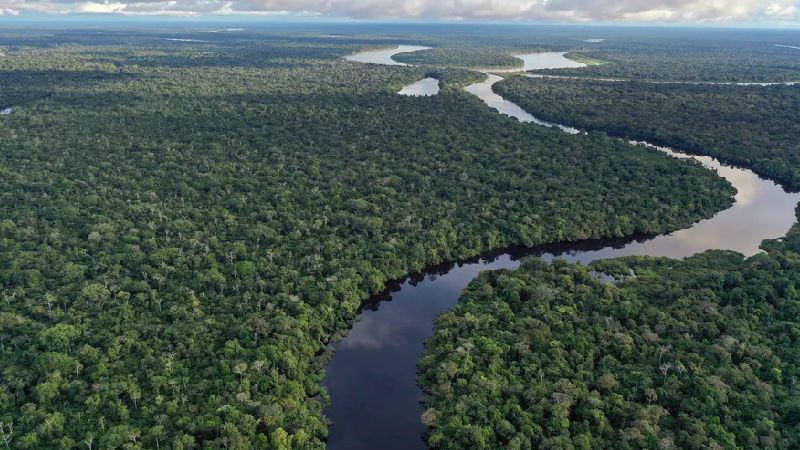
695 83
372 376
787 46
530 61
484 91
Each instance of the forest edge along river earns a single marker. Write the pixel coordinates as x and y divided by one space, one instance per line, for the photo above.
422 88
372 377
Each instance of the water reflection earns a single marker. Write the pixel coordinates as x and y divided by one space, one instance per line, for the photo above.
384 56
483 90
538 61
372 378
531 61
548 60
422 88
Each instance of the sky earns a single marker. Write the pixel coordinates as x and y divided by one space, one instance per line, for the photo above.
766 12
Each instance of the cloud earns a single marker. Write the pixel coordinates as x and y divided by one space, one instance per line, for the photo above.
691 11
92 7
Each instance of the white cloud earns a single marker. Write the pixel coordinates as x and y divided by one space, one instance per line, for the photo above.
93 7
555 10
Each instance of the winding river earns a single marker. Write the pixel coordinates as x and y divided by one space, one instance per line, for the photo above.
375 400
696 83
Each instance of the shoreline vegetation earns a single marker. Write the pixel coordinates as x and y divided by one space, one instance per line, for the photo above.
751 126
462 57
583 59
694 353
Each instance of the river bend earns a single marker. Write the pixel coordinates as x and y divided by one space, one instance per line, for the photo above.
372 378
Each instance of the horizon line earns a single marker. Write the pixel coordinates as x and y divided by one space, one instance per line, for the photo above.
272 19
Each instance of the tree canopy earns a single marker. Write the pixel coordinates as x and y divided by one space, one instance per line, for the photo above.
695 353
187 224
751 126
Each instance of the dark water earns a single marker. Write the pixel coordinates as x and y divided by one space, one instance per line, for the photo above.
375 400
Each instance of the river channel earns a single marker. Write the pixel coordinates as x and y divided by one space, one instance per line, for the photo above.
372 378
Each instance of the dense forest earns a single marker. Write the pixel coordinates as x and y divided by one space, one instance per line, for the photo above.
692 354
186 225
676 60
752 126
483 56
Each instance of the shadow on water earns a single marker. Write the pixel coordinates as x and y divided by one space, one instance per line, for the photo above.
566 250
372 377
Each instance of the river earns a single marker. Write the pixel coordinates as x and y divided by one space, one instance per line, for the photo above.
372 378
384 56
695 83
422 88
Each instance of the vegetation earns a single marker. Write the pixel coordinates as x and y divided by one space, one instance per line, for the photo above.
699 353
751 126
582 58
186 225
681 59
462 56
